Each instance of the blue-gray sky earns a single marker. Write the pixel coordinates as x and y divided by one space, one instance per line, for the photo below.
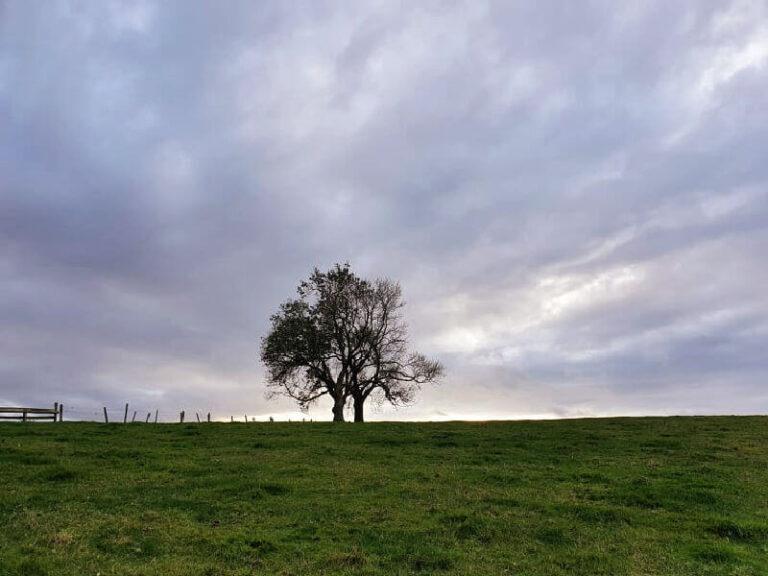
574 197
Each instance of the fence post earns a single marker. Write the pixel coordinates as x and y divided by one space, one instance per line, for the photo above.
55 410
155 416
125 416
231 418
106 418
246 418
198 417
134 417
148 415
61 412
24 416
181 417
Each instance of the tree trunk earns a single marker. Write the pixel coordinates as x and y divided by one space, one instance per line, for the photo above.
359 405
338 409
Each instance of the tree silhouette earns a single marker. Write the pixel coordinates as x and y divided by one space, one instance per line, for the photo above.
344 337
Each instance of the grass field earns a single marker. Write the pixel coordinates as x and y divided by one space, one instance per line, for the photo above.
617 496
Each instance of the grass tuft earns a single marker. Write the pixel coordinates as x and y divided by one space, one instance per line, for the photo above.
740 532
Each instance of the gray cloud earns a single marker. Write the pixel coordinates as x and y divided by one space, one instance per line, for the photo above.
574 198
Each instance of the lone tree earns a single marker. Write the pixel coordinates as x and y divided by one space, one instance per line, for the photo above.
344 337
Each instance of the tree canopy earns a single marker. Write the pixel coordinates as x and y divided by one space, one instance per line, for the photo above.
344 337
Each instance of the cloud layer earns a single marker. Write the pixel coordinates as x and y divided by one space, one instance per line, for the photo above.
574 198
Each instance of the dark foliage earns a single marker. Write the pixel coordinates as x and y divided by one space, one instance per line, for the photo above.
344 337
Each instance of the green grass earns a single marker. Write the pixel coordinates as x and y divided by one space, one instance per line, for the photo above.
618 496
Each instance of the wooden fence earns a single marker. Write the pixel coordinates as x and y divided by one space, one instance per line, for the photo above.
55 414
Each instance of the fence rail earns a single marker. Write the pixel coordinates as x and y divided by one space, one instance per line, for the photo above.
79 413
25 414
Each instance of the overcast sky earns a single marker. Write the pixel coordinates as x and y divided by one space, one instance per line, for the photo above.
574 197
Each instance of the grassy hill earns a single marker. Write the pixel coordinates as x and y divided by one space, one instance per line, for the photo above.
616 496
